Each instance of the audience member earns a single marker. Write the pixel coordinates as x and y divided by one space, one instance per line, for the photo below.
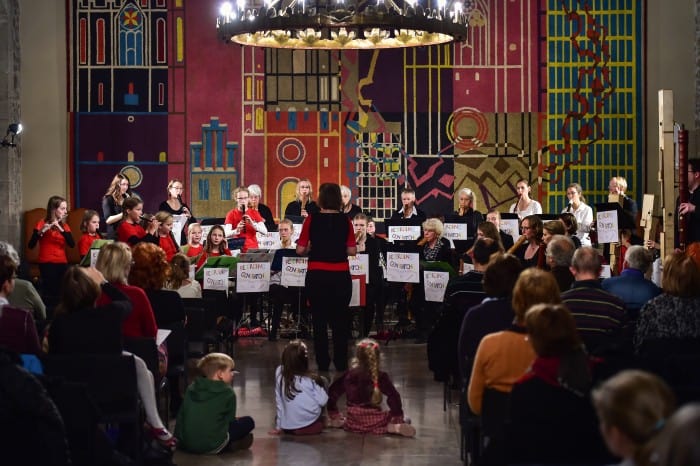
600 316
493 314
632 407
560 252
328 283
363 386
551 420
82 328
207 422
17 328
300 395
631 286
674 314
571 227
677 444
503 357
481 253
114 261
24 295
180 280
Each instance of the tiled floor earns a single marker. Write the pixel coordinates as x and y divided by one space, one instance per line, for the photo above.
436 442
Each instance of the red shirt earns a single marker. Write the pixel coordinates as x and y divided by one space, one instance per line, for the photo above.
235 216
194 251
167 243
128 231
52 244
141 322
86 241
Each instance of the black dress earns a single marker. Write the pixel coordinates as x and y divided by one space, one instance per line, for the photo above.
294 208
109 208
266 214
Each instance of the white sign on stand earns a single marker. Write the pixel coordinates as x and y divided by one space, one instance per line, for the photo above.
359 265
510 226
455 231
607 226
403 232
179 222
205 232
93 256
435 284
253 277
216 278
297 232
402 267
269 240
294 271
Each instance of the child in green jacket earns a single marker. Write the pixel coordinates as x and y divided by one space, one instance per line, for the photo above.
207 421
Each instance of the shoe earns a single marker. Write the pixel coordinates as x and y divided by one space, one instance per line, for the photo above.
242 443
164 437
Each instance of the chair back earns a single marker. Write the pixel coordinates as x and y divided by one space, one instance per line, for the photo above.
494 412
31 218
75 218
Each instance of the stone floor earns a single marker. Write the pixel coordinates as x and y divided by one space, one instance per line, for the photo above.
436 442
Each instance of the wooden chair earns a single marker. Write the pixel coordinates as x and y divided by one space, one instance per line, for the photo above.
31 256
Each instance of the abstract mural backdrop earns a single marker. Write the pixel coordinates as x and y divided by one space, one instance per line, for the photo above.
547 90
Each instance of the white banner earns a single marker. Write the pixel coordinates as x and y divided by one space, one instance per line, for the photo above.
404 233
355 297
253 277
216 278
435 284
359 265
606 224
455 231
269 240
294 271
402 267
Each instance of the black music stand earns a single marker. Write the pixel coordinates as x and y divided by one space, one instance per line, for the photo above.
276 266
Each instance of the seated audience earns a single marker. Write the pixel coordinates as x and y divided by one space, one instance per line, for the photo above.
81 328
493 314
24 295
600 316
560 252
114 261
150 271
632 406
674 314
503 357
180 280
551 420
481 253
677 444
631 286
17 329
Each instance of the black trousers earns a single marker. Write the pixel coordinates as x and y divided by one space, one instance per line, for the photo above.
329 295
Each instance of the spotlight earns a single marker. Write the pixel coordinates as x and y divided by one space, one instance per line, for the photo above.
12 130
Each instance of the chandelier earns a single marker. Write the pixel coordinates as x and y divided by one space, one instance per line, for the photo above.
339 24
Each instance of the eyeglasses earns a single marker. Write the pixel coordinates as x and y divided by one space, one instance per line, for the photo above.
178 188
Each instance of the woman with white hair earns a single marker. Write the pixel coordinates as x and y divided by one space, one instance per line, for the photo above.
254 195
24 295
467 209
348 208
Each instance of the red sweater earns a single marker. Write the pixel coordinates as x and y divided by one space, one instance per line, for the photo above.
141 322
52 244
194 251
168 244
85 242
235 216
130 233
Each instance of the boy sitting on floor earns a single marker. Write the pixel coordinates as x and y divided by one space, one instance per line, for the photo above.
207 421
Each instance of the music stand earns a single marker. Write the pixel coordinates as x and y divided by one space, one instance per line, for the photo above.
212 221
461 245
276 266
402 245
548 217
510 224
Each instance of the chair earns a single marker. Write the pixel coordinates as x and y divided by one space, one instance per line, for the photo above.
31 218
202 336
146 349
111 384
675 360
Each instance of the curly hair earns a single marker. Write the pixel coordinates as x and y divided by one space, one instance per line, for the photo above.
150 269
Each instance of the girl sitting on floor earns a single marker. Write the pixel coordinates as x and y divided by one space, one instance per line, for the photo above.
299 394
363 384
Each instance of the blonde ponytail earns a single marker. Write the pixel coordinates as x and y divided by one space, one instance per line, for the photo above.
367 355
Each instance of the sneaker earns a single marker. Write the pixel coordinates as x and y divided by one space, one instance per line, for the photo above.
163 437
242 443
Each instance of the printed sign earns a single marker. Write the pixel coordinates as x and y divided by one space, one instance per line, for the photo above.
253 277
358 291
269 240
297 232
455 231
179 222
435 284
511 227
608 231
216 278
402 267
404 233
193 270
466 268
93 256
294 271
605 271
205 232
359 265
